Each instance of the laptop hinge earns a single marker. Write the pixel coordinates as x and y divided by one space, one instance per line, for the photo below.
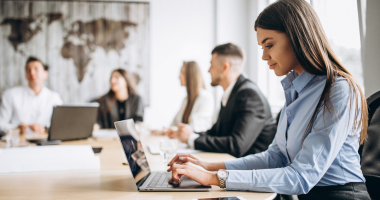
141 181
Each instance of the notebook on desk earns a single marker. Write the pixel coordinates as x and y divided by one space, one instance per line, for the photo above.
145 179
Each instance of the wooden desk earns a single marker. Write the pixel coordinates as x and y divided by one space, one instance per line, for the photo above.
112 181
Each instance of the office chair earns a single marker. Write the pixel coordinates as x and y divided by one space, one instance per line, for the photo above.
369 151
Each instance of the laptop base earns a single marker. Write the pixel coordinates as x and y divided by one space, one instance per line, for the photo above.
187 184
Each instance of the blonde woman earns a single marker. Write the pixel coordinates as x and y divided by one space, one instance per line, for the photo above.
198 106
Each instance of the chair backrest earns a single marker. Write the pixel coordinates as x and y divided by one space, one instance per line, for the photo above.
370 150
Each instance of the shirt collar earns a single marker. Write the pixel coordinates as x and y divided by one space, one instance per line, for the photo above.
227 93
31 92
298 81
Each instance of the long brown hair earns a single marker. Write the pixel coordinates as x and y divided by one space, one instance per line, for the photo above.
194 82
298 20
131 88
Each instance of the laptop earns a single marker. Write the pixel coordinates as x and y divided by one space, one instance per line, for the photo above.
145 179
73 122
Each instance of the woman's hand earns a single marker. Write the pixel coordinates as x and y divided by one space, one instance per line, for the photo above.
156 132
194 172
210 166
188 158
171 134
96 127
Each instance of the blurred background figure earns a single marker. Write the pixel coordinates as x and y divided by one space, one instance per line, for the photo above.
29 107
245 124
198 107
121 102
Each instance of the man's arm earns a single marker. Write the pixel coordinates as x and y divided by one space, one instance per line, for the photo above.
6 112
248 124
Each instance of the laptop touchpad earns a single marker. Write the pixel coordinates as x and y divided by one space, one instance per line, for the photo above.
186 182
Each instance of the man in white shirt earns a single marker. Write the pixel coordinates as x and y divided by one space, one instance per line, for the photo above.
245 124
29 107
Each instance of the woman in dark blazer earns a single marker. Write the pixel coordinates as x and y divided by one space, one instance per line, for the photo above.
121 102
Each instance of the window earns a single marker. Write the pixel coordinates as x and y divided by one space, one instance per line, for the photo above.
340 22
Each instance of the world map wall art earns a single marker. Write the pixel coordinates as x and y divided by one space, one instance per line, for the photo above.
82 42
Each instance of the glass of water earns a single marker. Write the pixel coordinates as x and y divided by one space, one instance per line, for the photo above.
12 137
168 149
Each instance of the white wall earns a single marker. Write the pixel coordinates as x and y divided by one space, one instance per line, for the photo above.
180 31
183 30
371 53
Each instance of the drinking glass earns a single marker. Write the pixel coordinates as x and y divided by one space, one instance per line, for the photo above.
12 137
168 149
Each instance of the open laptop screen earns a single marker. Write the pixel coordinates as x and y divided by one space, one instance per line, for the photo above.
132 148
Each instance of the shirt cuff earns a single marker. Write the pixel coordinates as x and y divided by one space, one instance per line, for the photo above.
241 180
191 140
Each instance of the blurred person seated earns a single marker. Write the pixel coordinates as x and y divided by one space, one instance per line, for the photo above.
121 102
198 107
245 124
29 107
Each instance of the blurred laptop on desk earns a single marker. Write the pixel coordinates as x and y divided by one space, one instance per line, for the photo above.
70 122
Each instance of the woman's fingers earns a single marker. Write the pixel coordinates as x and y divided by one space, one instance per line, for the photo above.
176 158
181 126
188 159
178 162
171 134
193 156
177 174
192 171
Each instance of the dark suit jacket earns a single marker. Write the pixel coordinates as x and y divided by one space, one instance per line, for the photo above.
245 126
134 108
370 150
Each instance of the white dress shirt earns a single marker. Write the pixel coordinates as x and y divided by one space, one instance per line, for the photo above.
225 97
200 118
21 105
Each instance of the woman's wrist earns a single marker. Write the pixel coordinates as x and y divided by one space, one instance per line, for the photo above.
213 180
213 166
205 165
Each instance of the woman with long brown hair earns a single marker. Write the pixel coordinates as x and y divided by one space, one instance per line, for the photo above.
315 152
198 106
121 102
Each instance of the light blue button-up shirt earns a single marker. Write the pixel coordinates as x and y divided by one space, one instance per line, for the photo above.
328 155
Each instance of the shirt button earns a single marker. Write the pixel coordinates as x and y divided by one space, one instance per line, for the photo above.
288 112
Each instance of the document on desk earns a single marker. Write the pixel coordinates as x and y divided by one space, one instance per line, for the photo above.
48 158
182 149
105 133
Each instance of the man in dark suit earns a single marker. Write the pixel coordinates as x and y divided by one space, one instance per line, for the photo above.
245 124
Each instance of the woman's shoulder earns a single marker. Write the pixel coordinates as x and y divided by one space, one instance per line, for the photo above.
135 99
205 94
135 96
103 98
341 85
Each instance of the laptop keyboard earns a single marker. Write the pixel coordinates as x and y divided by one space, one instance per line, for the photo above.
160 180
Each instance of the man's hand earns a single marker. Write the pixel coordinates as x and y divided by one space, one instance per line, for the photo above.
38 128
22 128
184 131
